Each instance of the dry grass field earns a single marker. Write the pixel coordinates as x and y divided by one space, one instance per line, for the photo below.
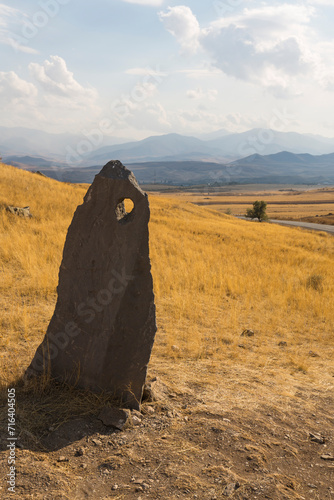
237 409
312 205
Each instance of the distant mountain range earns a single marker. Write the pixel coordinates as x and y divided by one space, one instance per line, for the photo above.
175 147
287 167
25 141
281 168
258 155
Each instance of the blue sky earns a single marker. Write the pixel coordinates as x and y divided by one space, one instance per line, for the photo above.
134 68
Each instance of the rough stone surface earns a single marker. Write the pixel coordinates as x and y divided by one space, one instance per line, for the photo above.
102 331
113 417
20 211
155 390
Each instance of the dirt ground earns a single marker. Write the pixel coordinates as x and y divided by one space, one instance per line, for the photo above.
242 437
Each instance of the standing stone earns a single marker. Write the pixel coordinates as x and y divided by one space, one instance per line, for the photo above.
102 331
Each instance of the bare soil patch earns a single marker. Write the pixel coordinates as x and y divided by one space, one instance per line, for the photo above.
240 438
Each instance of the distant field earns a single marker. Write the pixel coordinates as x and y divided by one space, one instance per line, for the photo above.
315 205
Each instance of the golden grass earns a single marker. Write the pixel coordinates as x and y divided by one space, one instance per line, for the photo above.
292 205
214 276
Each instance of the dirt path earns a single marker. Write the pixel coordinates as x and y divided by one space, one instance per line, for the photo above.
305 225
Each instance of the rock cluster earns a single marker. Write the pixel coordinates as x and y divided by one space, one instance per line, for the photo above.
20 211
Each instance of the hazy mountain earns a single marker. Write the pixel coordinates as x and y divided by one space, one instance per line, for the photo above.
176 147
283 168
163 147
178 159
265 141
304 168
25 141
31 161
217 146
213 135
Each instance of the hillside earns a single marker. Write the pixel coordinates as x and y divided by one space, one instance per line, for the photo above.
234 415
317 169
279 168
267 141
26 141
171 147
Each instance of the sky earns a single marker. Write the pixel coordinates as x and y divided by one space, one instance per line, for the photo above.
135 68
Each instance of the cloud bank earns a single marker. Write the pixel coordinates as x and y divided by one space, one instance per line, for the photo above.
273 46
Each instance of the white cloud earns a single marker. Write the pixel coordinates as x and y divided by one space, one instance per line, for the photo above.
146 72
55 79
181 23
273 46
199 93
14 90
152 3
11 22
18 101
322 2
55 99
145 115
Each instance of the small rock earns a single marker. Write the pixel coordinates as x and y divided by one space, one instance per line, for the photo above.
154 390
137 414
62 459
175 348
314 354
241 346
135 420
97 442
247 333
282 343
327 456
115 487
170 414
21 212
114 417
83 466
313 486
317 438
79 452
142 483
230 489
149 410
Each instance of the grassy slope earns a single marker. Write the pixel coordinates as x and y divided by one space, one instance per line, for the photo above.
214 276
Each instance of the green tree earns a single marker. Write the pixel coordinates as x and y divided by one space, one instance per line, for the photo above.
258 211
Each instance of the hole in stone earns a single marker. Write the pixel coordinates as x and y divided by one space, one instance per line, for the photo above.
124 210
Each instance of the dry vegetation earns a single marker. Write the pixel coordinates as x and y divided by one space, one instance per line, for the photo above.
214 277
315 205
